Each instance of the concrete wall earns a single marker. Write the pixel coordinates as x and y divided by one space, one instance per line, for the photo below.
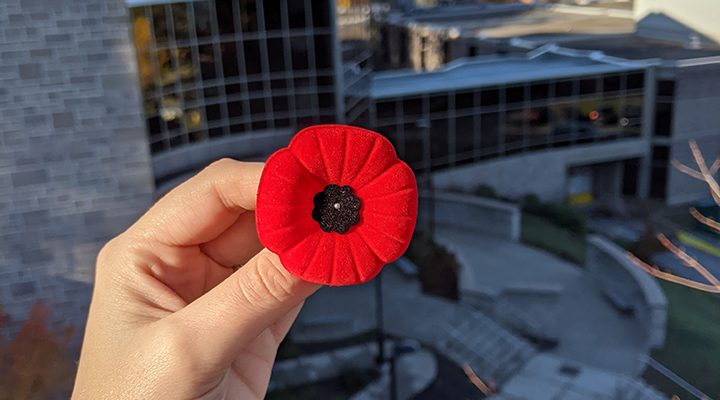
74 163
462 211
543 173
655 18
610 268
696 116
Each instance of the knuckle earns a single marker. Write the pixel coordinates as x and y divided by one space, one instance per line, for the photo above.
221 164
269 284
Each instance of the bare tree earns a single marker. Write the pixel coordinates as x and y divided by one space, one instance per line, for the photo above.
707 175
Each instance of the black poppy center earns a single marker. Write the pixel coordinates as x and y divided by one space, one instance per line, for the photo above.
336 208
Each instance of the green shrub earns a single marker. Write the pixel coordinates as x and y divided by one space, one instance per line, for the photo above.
485 191
438 268
560 214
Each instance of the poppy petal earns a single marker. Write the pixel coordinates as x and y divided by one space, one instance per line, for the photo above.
305 146
381 157
367 263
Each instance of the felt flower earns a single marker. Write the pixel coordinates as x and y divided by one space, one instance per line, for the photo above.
336 204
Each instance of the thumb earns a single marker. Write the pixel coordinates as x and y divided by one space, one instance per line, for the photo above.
232 314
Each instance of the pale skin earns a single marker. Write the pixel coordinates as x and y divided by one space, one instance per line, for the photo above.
169 318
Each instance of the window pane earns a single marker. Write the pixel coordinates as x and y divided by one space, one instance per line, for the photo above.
252 57
489 97
386 109
320 14
412 107
439 103
160 24
276 55
663 119
202 19
588 86
228 52
280 104
248 15
180 21
299 53
224 11
439 142
296 14
611 83
464 100
207 62
272 13
564 89
666 88
464 138
489 132
539 91
635 81
323 51
515 94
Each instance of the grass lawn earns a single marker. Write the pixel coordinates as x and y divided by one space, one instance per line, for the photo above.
692 347
541 232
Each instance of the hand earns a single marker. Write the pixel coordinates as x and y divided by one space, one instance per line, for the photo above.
169 318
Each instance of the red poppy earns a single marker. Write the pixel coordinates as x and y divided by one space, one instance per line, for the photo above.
336 204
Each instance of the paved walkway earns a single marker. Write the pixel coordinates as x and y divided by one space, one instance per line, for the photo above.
459 332
553 293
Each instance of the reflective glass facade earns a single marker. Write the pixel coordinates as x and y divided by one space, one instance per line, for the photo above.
216 68
437 130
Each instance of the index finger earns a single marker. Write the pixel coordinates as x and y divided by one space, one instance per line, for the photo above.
204 206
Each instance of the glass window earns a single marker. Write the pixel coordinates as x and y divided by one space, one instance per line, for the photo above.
224 11
180 21
207 62
464 100
272 13
257 106
235 109
323 51
253 63
464 138
212 112
564 89
658 182
489 133
635 81
280 104
588 86
666 88
387 109
320 14
248 15
515 94
298 46
325 81
539 91
538 122
489 97
185 66
439 141
296 13
611 83
439 103
327 101
631 118
514 128
663 118
160 24
228 52
278 84
413 107
276 55
235 88
202 19
413 146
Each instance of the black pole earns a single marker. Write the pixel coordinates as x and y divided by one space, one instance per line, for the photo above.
379 319
393 377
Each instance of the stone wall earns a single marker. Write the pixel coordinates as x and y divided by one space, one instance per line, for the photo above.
74 162
614 274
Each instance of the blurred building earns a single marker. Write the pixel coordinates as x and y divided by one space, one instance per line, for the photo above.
633 98
74 163
238 78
